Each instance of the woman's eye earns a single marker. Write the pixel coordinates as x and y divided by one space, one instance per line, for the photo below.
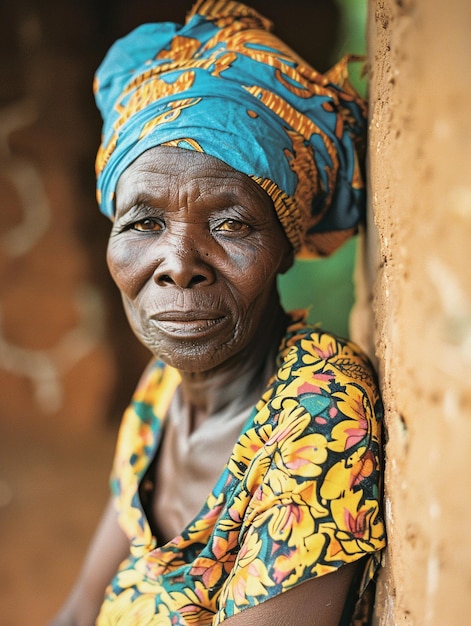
233 226
147 225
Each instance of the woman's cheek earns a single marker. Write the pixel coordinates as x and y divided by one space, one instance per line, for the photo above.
125 265
254 262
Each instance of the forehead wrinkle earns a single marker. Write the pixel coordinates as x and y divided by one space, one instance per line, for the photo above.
138 183
179 179
228 188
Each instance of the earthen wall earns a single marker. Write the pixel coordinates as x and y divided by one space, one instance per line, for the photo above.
420 194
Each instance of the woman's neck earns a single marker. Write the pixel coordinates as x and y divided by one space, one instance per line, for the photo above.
237 381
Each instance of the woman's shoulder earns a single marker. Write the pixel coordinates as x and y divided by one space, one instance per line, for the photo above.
312 347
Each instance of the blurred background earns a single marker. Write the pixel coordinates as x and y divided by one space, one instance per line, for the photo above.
68 362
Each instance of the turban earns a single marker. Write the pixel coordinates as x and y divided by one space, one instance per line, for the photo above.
225 85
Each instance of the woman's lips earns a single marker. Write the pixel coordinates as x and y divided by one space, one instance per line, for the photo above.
187 324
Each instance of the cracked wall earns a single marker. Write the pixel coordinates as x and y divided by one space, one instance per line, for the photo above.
420 192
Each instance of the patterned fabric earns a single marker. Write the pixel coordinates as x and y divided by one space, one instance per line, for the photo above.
224 85
298 498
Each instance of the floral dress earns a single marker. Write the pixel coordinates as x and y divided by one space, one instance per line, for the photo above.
299 497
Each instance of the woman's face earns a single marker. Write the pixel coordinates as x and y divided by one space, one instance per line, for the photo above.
195 249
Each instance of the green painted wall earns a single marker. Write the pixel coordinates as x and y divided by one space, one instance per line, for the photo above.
325 286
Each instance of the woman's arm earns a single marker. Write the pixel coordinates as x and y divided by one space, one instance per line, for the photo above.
108 548
317 602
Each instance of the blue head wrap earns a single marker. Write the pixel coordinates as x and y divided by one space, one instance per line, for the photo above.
224 85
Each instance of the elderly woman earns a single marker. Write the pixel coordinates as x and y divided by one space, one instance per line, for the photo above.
246 482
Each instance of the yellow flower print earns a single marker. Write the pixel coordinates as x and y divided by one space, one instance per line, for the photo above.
290 523
134 516
201 527
362 467
305 456
146 435
215 502
284 565
345 473
161 561
328 351
127 609
194 606
233 522
308 494
148 586
127 578
350 432
281 489
356 524
354 403
290 359
255 474
211 571
251 577
319 351
221 547
275 486
142 612
148 383
130 443
246 448
293 421
301 456
195 614
289 567
133 573
315 381
256 579
113 608
250 550
283 401
297 498
263 413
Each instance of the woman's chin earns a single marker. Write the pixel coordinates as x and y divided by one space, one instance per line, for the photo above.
194 354
193 360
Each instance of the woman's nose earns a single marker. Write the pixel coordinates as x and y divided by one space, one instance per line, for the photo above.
182 265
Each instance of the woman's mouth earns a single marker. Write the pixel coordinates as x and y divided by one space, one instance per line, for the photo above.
187 325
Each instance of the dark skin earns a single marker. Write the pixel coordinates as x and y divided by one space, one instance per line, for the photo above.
198 277
195 250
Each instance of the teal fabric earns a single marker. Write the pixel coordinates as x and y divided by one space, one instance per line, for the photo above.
222 84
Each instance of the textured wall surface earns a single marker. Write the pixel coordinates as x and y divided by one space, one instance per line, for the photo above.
420 189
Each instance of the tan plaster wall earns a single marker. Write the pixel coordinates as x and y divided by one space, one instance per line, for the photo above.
420 189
